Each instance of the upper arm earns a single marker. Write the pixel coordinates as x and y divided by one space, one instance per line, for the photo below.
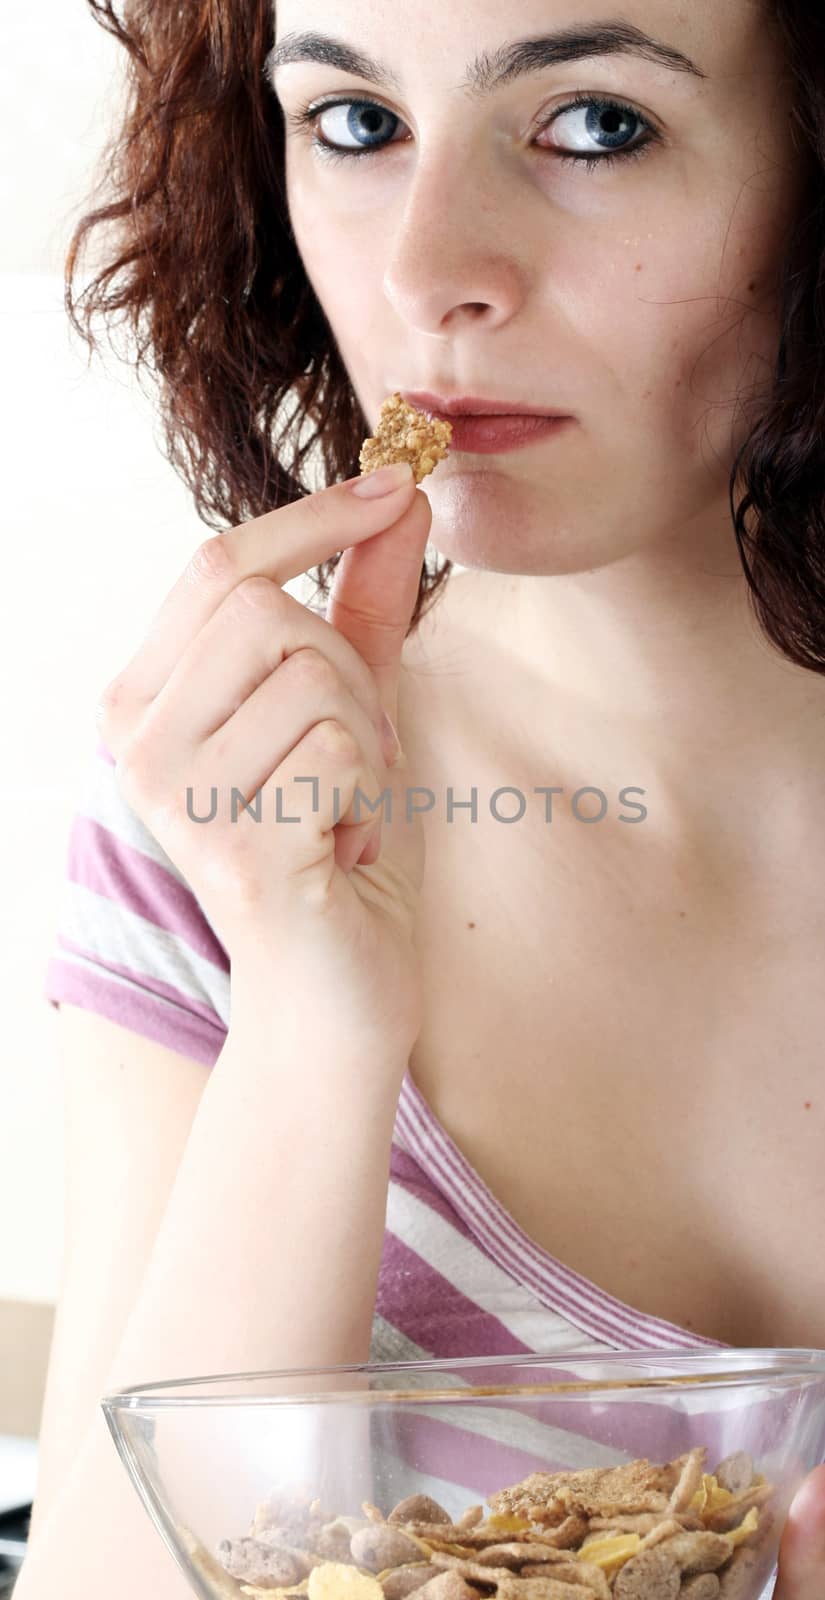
129 1104
141 981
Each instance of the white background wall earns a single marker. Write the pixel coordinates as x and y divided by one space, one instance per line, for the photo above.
97 527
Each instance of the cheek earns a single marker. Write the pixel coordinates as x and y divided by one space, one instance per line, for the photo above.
688 332
343 269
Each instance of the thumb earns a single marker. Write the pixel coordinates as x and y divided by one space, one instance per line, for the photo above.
802 1551
374 591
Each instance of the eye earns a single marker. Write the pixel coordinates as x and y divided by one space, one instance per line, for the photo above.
351 128
612 127
348 127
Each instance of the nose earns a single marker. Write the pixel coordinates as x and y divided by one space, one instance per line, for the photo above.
454 258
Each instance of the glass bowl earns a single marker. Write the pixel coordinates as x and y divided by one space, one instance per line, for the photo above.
273 1482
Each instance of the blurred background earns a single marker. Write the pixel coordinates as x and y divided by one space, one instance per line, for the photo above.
97 528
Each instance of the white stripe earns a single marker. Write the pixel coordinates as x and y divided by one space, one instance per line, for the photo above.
475 1275
429 1145
403 1480
489 1221
110 932
389 1345
486 1421
559 1448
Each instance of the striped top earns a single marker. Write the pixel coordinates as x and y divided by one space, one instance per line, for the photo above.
458 1276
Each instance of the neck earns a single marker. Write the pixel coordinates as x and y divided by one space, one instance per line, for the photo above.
655 672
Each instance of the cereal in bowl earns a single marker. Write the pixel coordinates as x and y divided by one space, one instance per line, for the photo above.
640 1531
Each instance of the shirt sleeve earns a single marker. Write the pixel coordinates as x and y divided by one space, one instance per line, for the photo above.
133 942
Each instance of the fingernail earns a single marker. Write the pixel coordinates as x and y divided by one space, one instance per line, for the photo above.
384 480
390 740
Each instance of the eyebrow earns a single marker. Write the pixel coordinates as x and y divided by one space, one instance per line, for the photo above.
487 72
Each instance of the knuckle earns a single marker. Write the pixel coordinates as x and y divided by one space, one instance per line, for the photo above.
212 562
112 695
332 739
312 669
109 704
222 744
372 616
256 591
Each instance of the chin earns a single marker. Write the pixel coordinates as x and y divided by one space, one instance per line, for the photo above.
485 520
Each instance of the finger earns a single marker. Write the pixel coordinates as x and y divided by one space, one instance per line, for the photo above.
802 1550
321 794
280 545
257 739
257 631
373 595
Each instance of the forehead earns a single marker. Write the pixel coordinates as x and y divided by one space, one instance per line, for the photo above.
462 31
728 54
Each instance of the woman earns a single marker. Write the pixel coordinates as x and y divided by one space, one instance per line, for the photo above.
592 974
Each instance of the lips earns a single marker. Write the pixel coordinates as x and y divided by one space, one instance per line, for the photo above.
447 407
489 426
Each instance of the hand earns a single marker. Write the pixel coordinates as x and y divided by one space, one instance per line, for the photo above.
802 1550
238 685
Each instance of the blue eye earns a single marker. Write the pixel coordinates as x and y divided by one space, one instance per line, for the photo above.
363 120
604 120
608 123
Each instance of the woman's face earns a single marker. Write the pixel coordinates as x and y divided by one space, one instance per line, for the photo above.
469 252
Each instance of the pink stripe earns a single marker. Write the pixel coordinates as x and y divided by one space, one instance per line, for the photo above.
149 889
542 1275
406 1172
144 981
447 1450
606 1314
482 1203
444 1450
489 1236
426 1307
104 754
103 863
621 1323
178 1030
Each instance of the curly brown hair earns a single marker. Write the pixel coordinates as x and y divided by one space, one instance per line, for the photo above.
202 262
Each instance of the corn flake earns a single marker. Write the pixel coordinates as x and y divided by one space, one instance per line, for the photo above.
610 1553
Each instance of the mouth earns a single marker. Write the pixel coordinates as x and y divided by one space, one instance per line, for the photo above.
468 405
489 427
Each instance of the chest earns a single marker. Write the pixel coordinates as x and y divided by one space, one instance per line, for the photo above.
632 1061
